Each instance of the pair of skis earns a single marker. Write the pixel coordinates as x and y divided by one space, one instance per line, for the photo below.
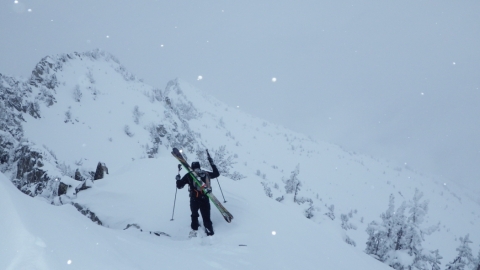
226 215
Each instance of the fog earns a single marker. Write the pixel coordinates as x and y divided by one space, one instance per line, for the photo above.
396 80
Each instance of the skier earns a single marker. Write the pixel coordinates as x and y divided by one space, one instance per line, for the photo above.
198 200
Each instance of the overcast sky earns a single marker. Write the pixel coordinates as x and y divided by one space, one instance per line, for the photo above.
395 79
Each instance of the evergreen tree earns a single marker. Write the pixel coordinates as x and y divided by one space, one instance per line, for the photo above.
293 184
375 232
222 159
464 256
397 240
400 227
477 262
418 209
413 236
433 259
381 236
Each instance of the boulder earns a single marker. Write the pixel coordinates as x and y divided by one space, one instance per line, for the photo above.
101 171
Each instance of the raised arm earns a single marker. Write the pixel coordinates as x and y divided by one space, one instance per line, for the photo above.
182 182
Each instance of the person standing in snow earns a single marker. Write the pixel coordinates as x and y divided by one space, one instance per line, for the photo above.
198 200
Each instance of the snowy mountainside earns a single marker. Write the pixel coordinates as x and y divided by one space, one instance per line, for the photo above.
90 100
355 184
81 109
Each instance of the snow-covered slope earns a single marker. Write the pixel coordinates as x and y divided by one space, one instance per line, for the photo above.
37 235
90 110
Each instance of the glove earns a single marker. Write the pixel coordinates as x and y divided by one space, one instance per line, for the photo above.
177 177
209 158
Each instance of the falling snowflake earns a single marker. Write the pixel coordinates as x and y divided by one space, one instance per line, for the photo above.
274 79
69 262
199 78
16 1
29 10
454 63
274 232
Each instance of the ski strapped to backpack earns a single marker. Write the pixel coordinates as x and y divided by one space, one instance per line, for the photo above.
198 182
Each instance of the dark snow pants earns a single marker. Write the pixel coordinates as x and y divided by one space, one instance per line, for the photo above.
202 204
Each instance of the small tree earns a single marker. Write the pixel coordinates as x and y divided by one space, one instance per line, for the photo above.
350 241
127 131
464 256
477 262
68 115
77 93
222 159
297 189
136 115
331 212
346 225
90 77
381 235
397 240
413 239
434 259
309 211
418 209
267 189
293 184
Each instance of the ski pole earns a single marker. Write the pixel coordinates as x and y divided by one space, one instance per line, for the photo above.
209 159
174 203
176 189
221 191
